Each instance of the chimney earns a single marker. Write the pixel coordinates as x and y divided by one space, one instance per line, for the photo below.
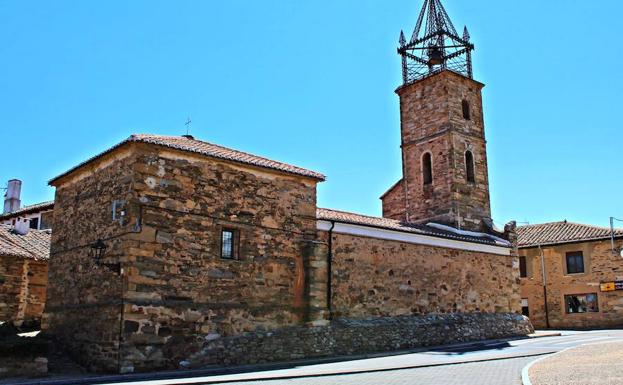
22 226
11 198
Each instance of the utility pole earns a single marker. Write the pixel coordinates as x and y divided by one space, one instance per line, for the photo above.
544 277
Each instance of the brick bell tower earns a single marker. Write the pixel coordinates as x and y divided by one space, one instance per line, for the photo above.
444 157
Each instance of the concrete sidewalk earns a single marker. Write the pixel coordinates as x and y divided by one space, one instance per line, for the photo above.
585 365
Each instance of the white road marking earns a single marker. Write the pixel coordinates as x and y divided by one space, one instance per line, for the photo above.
580 341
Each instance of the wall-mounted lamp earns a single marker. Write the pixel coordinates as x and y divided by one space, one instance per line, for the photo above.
99 248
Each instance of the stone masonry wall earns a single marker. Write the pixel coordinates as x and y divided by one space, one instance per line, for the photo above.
600 265
373 277
432 121
22 289
394 202
343 337
37 277
176 296
84 301
11 273
179 289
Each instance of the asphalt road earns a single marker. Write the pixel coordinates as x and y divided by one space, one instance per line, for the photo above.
496 363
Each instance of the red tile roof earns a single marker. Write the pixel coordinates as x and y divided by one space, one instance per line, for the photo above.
189 144
34 245
38 207
561 232
392 224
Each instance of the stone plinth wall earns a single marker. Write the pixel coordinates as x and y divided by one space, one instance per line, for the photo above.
16 367
375 277
350 337
22 289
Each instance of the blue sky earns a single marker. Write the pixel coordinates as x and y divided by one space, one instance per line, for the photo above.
311 83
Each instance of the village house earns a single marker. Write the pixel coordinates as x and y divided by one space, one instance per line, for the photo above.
39 216
571 275
24 253
173 252
24 257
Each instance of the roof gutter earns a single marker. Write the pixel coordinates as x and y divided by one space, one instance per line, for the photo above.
401 236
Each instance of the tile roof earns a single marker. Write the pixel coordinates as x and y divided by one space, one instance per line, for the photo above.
392 224
34 245
37 207
189 144
561 232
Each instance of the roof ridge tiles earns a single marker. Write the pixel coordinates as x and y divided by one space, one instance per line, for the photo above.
208 149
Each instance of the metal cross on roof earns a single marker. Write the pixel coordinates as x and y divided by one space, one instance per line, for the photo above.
187 124
435 47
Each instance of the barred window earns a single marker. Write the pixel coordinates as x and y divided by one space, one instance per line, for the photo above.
229 249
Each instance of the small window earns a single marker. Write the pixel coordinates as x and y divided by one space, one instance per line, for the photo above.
581 303
466 113
34 223
45 222
469 167
229 247
575 262
523 268
427 168
525 309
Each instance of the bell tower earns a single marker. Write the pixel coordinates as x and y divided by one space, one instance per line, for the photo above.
444 158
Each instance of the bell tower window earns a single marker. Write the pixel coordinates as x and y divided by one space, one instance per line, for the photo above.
427 169
466 112
469 167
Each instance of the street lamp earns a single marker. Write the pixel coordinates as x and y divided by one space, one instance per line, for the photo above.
99 248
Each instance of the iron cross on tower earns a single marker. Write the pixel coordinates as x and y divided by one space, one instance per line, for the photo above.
436 47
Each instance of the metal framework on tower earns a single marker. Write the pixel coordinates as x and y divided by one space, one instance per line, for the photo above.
435 47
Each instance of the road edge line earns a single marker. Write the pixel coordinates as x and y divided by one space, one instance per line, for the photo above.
525 375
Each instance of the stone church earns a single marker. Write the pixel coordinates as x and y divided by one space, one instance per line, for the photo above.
172 252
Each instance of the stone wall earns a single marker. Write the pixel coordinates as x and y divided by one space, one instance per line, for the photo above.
11 273
373 277
84 301
22 289
432 122
600 265
394 202
179 288
344 337
175 293
35 295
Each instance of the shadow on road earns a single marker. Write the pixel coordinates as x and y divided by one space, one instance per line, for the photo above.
477 347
